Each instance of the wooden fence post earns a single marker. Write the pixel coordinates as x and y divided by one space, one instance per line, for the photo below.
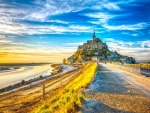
43 91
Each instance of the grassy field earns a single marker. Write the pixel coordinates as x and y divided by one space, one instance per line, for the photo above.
68 98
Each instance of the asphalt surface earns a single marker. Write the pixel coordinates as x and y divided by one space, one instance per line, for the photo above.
112 92
145 72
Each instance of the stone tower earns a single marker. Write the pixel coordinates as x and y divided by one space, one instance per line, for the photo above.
94 36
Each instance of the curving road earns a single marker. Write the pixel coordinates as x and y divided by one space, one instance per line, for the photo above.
113 90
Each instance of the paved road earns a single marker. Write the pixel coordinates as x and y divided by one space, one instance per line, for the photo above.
114 91
145 72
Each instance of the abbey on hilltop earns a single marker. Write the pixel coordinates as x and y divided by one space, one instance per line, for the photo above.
95 44
96 50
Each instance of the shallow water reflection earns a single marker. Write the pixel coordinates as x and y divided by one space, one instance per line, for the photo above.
9 77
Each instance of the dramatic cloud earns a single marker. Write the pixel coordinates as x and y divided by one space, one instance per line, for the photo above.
134 49
49 27
138 26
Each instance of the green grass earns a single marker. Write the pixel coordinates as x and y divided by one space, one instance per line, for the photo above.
68 99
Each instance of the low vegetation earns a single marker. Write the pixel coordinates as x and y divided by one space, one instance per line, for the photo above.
144 65
68 98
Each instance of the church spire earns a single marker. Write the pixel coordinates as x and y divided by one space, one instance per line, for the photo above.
94 34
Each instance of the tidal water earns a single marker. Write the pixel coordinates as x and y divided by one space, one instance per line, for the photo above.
10 75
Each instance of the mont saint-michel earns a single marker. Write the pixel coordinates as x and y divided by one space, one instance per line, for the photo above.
97 50
74 56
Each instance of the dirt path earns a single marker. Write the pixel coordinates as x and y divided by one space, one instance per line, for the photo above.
22 100
112 92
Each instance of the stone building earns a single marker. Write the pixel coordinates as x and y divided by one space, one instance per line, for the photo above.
96 50
93 44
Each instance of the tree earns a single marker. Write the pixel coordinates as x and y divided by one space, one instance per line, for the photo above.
103 51
81 52
89 53
105 55
64 61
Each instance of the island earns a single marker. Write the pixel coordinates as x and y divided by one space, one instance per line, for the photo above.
97 50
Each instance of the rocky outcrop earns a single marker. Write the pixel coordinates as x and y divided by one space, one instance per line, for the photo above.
56 68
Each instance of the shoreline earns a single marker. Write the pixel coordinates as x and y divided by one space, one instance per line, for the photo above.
56 69
27 73
23 83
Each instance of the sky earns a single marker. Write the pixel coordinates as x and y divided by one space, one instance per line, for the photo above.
50 30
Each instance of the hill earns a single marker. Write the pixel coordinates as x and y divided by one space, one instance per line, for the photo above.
96 50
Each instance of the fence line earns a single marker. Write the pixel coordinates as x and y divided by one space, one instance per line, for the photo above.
62 82
135 70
